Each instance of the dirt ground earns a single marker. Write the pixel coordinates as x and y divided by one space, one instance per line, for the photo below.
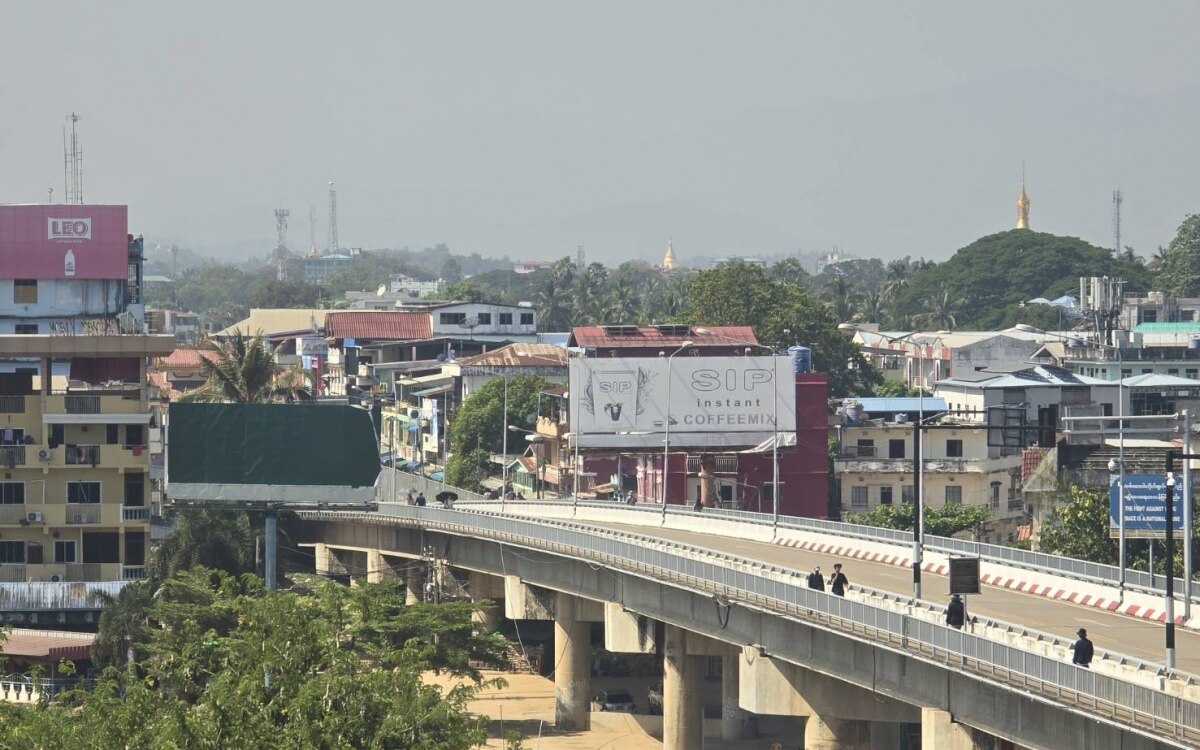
527 706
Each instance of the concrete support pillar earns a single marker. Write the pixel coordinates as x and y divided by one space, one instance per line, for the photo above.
379 568
683 707
939 730
885 735
572 652
736 722
829 733
489 618
413 583
327 562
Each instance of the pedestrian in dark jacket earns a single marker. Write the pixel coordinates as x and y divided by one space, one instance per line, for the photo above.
1083 649
421 499
838 581
956 612
816 580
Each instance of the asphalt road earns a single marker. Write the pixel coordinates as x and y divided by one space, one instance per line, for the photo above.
1111 632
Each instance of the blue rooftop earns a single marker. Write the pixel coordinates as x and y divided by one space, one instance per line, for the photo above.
906 404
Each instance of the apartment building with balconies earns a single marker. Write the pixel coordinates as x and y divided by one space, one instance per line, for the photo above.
875 463
75 416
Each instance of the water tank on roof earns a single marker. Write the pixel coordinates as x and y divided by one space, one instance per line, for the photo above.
1120 339
801 358
1075 343
902 418
852 409
1194 342
1135 340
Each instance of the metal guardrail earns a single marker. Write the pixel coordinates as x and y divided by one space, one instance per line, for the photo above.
1151 712
1068 567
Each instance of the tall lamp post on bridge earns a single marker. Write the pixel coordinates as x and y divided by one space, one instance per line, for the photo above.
667 429
774 423
1119 465
918 461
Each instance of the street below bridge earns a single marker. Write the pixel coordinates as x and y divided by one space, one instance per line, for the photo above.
1110 632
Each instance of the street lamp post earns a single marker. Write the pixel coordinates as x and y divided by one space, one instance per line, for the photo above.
918 460
774 425
667 429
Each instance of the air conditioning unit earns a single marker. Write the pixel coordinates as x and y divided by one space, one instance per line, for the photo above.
56 578
44 454
35 517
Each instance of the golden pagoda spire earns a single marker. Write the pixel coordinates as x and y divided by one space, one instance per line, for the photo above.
668 262
1022 203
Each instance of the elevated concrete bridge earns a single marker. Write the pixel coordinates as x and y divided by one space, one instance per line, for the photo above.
856 667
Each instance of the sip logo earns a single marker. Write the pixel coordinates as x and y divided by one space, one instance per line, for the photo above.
69 229
616 388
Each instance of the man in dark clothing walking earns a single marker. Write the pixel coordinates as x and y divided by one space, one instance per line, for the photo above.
956 612
838 581
421 499
1083 649
816 580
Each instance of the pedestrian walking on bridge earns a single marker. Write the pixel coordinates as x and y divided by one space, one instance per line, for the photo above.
838 581
956 612
1083 649
816 580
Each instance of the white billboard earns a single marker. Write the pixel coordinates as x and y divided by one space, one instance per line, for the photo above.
707 394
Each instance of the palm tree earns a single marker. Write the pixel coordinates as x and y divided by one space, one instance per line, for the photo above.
940 311
242 370
870 307
1159 260
622 302
841 298
123 622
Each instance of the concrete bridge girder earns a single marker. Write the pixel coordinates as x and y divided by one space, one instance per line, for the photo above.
1004 713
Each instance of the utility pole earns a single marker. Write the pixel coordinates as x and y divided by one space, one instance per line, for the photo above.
332 244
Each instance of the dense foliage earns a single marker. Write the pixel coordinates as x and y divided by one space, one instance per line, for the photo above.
1181 260
221 665
478 427
945 521
242 370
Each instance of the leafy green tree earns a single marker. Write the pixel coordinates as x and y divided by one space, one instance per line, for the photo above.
266 291
941 307
242 370
123 623
945 521
477 430
1078 528
895 389
225 664
782 314
452 271
791 271
1181 260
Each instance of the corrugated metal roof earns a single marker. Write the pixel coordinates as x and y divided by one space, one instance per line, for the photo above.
519 355
27 642
184 358
400 325
641 336
1190 326
1156 380
271 321
902 404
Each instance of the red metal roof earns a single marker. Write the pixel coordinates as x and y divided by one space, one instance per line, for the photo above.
378 325
615 337
50 643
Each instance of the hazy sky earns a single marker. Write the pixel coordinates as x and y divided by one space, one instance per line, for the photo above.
526 128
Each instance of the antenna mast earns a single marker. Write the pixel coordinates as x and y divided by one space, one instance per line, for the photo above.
312 232
1118 199
333 238
281 253
72 163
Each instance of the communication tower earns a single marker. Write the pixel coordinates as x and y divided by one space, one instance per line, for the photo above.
312 232
1118 199
72 163
281 253
333 240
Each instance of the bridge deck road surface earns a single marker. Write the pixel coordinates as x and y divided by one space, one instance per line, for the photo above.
1142 639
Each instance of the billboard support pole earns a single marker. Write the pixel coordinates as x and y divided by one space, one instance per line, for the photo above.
667 431
271 535
1169 543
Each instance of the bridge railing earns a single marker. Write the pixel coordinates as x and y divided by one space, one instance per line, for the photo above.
1068 567
1145 709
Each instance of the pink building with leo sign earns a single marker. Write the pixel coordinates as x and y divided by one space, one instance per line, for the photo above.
64 241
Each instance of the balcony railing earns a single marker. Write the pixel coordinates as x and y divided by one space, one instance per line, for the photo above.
82 404
82 513
133 572
12 513
83 455
12 455
135 513
10 572
84 572
12 404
